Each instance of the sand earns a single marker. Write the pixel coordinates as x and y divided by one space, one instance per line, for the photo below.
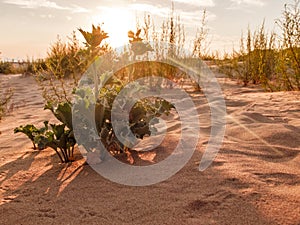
255 178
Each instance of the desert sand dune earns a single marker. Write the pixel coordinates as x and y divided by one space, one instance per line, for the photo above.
255 178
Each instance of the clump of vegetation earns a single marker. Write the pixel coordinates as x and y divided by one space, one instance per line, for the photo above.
97 104
59 137
256 60
140 116
34 67
32 132
5 97
288 76
268 59
21 67
60 72
59 75
6 68
4 101
263 58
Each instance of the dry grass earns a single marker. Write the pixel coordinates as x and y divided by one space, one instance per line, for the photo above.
269 59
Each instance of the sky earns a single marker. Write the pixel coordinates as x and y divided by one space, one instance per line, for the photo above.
29 27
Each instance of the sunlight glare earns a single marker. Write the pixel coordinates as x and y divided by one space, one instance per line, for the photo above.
116 22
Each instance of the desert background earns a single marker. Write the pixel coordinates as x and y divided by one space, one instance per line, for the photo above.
254 179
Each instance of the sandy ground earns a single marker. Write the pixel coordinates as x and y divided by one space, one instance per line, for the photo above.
255 178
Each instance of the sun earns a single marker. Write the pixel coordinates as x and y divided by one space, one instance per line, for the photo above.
116 22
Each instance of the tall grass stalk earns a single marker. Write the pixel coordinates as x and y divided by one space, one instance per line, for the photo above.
267 58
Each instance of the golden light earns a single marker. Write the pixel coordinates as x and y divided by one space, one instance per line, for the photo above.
116 22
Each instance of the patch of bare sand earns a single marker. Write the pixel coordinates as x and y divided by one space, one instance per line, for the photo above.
255 178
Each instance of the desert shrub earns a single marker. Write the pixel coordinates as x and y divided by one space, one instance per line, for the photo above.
5 97
6 68
60 137
64 62
268 59
35 66
64 59
59 74
86 109
91 102
256 60
19 67
288 76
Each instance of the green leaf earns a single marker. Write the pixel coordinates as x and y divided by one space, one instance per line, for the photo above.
41 141
63 113
29 130
58 130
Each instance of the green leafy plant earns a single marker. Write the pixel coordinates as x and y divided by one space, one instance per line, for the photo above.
63 112
96 104
59 137
32 132
141 114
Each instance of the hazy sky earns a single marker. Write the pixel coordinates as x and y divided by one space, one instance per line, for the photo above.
28 27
